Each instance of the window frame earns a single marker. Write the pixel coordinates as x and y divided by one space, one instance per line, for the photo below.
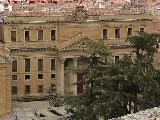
119 35
54 76
15 36
115 60
27 75
104 32
16 69
42 69
12 90
13 77
42 76
39 90
140 29
25 69
53 39
128 31
51 64
41 36
29 90
27 40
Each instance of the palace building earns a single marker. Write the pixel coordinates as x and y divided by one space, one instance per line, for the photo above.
47 48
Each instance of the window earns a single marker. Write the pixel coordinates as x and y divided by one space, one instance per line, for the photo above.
27 36
27 89
14 66
40 89
53 76
27 65
53 34
14 77
27 77
13 36
14 90
53 67
40 76
40 64
66 63
116 58
117 33
40 34
129 32
105 33
141 30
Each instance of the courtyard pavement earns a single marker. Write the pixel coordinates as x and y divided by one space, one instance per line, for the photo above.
26 111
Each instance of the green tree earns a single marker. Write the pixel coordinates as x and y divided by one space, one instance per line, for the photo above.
116 89
103 96
145 79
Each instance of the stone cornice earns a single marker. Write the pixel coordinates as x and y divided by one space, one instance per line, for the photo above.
32 49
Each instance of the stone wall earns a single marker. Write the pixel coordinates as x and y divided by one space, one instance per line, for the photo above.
5 89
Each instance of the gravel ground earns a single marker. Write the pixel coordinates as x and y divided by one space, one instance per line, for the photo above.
149 114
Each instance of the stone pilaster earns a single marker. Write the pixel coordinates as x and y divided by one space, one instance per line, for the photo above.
74 87
60 73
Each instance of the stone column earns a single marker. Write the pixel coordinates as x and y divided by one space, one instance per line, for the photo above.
60 74
74 80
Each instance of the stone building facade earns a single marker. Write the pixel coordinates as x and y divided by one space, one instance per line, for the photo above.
46 48
5 82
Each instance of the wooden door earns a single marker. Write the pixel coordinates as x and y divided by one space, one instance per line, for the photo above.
79 84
